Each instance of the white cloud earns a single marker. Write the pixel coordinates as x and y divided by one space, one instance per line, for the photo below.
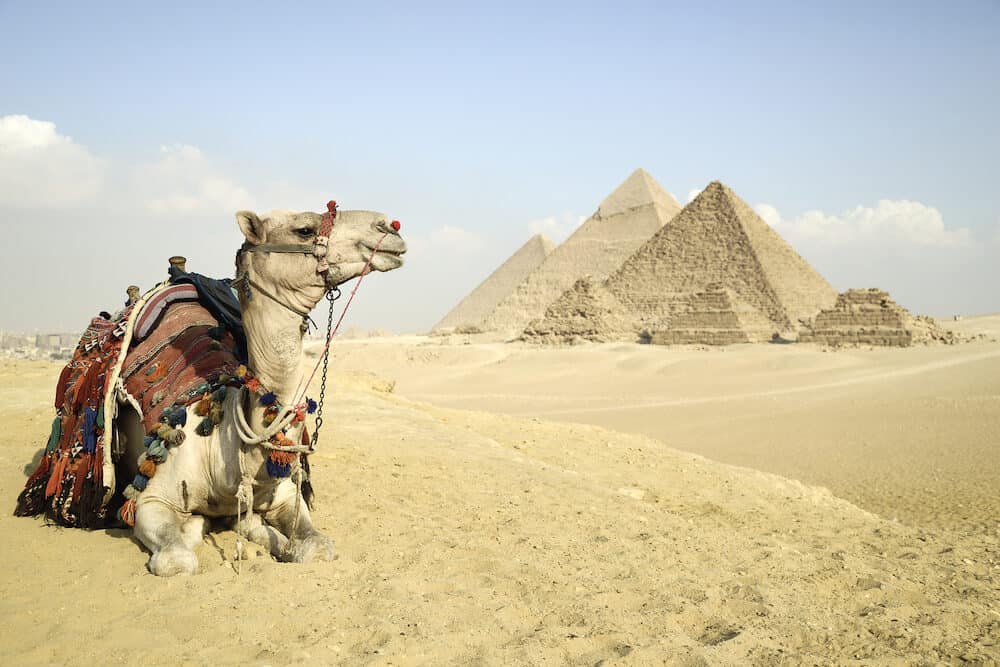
890 221
40 168
692 194
557 228
184 181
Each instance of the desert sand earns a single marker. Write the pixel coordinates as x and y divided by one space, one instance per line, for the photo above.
603 504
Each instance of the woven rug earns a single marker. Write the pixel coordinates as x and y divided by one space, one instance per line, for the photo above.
167 349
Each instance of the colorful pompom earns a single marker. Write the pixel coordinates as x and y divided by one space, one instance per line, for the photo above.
241 371
147 468
175 437
127 512
157 451
205 427
269 398
140 482
178 417
310 406
202 407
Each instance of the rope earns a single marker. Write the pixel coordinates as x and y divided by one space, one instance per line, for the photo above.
247 435
329 338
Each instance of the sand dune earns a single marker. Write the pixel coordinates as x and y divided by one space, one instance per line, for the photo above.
475 538
911 433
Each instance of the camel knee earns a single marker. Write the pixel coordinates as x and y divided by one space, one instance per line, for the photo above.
173 560
314 547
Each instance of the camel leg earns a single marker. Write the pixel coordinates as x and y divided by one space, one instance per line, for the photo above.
259 532
170 537
305 543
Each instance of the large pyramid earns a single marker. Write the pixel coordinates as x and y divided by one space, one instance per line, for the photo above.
623 221
481 301
716 240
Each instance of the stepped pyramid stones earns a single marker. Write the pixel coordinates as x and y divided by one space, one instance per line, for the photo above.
715 316
717 240
584 312
481 301
870 317
624 220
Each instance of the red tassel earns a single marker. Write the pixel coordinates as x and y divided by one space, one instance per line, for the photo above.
127 512
61 385
41 471
55 479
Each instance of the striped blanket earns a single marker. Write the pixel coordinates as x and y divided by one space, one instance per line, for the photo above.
165 349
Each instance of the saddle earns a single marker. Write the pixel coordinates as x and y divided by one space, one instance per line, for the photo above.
166 349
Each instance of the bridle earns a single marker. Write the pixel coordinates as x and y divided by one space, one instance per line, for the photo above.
318 249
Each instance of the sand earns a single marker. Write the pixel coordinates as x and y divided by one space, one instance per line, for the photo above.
473 537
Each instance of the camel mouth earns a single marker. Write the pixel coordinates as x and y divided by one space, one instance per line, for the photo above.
387 256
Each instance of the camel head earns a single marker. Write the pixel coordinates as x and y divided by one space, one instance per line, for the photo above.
278 252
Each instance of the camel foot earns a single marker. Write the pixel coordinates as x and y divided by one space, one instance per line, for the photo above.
315 547
173 560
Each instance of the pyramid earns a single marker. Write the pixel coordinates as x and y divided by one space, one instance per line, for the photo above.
584 312
481 301
870 317
715 316
623 221
716 240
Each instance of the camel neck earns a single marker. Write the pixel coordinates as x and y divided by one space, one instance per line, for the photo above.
274 347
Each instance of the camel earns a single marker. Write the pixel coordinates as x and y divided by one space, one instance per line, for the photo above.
217 475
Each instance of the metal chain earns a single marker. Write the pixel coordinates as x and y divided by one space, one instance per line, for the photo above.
331 296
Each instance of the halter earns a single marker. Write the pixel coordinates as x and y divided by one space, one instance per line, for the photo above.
318 249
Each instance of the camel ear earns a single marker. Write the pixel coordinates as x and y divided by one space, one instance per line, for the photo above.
251 225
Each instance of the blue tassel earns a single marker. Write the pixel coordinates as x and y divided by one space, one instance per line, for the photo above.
278 470
148 440
157 451
140 482
89 430
178 416
270 398
205 427
310 405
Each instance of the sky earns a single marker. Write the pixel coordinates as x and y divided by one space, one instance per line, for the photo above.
865 133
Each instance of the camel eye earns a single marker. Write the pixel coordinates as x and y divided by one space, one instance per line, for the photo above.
306 232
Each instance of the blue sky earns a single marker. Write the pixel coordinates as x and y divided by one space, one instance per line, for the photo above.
866 133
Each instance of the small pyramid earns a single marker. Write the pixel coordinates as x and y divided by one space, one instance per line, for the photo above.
585 312
719 241
624 220
870 317
471 310
715 316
